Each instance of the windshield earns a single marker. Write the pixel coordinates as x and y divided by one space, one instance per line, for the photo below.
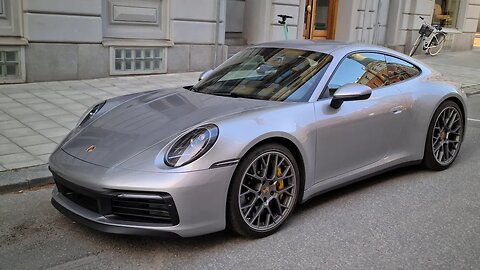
276 74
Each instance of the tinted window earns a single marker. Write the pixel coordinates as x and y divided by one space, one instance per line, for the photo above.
277 74
399 70
364 68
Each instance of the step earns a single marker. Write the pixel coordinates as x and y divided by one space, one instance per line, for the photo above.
232 38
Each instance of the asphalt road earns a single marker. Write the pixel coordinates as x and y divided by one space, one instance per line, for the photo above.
409 218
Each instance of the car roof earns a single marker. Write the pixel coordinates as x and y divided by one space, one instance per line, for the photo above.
336 48
324 46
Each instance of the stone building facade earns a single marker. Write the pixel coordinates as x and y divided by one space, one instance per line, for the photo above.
43 40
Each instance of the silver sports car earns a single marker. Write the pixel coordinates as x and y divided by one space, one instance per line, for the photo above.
273 126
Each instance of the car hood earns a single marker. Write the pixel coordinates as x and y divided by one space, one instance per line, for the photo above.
153 118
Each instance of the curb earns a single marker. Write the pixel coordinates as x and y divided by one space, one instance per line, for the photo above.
25 178
474 91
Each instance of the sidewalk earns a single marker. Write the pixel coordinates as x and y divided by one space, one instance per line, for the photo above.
35 117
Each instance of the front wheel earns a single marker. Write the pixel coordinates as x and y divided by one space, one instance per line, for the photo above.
444 137
415 45
263 192
436 44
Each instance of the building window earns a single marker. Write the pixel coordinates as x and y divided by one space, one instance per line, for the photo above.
11 65
445 13
137 60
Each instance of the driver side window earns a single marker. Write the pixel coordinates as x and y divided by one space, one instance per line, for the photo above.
363 68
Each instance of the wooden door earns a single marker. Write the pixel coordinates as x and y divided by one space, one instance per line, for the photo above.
320 19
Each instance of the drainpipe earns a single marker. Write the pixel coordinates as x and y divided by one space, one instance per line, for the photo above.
217 34
376 29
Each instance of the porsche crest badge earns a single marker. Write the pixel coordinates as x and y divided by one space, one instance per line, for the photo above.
91 149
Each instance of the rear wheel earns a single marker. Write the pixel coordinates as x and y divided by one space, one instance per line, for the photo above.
436 44
444 138
263 192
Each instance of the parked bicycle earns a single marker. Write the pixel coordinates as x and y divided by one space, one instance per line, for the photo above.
432 38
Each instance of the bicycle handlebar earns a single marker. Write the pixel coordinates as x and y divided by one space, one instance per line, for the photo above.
421 17
284 18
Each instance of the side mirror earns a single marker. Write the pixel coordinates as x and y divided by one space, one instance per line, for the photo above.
349 92
205 74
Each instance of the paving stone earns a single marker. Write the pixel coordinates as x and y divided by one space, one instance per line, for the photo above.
15 158
10 105
41 149
17 132
58 139
30 140
20 95
4 116
65 118
19 110
53 112
44 158
10 124
59 101
5 99
70 125
9 148
28 101
54 132
4 139
27 118
23 164
43 125
50 95
44 106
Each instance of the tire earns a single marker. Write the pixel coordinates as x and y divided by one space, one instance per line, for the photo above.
258 203
438 41
444 138
415 45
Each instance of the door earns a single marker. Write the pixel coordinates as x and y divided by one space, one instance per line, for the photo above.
362 132
320 19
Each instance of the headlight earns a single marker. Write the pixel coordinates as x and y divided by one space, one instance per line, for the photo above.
90 113
191 146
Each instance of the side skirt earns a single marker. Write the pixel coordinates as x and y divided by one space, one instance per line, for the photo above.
322 187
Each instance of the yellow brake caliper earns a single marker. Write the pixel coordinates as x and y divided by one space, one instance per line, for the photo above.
280 184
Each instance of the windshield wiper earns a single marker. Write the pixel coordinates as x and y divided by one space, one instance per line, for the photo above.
231 94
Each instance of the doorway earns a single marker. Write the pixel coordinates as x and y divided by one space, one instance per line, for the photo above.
320 19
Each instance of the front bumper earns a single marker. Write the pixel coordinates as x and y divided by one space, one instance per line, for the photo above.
198 198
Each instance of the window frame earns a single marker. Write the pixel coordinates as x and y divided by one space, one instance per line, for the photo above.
133 71
20 78
457 26
324 92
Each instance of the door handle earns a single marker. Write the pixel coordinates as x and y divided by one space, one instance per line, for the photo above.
397 109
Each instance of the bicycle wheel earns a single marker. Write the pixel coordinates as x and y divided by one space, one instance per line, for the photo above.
436 44
415 45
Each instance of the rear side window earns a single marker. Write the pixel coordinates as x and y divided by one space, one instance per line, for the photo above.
363 68
399 70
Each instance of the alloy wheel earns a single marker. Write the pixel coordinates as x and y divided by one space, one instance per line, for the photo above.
447 134
267 191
